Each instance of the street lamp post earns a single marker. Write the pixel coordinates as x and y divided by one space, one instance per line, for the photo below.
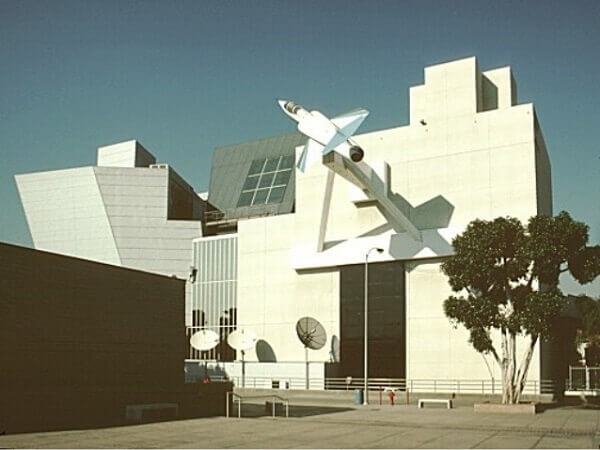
366 393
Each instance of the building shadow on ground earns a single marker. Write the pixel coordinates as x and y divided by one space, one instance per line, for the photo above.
251 410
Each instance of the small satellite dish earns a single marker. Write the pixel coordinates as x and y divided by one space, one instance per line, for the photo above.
311 333
241 339
204 340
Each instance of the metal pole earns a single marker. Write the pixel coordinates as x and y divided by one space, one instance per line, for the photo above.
306 359
366 387
366 373
243 371
587 378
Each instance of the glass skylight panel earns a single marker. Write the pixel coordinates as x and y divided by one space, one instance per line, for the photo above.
260 197
282 178
271 165
266 181
276 195
251 183
256 166
246 198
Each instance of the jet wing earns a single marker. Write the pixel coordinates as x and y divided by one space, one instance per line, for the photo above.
325 135
349 122
317 127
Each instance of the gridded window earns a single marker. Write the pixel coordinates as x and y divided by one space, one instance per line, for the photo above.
266 181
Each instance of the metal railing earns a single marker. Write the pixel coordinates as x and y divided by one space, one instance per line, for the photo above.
242 212
233 396
492 386
583 378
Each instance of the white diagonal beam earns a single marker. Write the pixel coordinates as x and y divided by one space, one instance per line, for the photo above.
363 176
325 211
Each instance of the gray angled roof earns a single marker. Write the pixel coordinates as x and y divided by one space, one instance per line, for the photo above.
230 168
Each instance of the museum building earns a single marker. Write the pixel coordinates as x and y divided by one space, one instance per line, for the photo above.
270 244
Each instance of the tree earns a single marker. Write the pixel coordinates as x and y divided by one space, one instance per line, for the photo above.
589 334
506 279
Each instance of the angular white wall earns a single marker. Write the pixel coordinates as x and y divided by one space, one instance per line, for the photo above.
109 214
65 213
135 201
469 142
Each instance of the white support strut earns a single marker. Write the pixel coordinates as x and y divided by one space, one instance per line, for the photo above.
363 176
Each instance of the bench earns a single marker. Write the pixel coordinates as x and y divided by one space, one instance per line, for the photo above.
447 401
276 406
151 412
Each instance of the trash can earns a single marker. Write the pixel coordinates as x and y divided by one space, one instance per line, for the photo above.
358 397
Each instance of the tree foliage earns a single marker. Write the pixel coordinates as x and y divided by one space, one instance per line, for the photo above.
506 278
589 334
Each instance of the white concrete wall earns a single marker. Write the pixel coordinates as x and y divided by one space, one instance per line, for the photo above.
482 162
272 296
135 200
435 349
116 215
65 214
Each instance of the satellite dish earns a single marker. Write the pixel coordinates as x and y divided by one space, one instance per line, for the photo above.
311 333
335 349
241 339
204 340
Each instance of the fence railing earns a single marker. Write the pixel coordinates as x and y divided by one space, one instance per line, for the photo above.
583 378
234 214
240 398
532 387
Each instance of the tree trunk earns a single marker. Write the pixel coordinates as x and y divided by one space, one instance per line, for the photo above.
522 375
513 381
504 368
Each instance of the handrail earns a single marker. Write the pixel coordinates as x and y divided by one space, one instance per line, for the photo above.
465 386
285 401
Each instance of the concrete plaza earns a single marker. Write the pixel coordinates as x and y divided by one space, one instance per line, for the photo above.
319 426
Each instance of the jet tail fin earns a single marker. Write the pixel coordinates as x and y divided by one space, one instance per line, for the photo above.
312 153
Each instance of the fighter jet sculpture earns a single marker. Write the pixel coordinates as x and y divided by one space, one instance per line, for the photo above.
325 135
332 138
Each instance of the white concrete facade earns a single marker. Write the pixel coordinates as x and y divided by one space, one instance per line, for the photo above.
469 151
469 142
116 212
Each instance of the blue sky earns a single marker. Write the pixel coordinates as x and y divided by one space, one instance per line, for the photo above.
186 77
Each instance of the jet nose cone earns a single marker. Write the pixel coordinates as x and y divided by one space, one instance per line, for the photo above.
282 103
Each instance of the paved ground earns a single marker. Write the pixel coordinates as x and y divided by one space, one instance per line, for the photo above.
342 427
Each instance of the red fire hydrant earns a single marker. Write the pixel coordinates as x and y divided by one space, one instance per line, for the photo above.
391 395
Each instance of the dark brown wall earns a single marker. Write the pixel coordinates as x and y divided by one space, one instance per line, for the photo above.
387 306
80 340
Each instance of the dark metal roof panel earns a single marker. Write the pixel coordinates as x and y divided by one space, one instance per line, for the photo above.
230 167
